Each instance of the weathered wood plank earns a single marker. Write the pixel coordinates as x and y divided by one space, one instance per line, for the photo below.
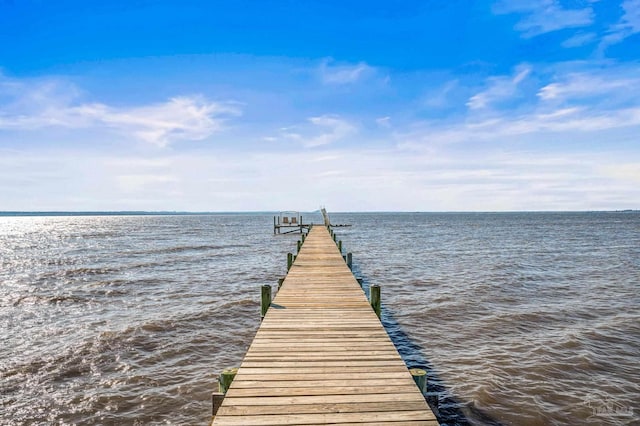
362 407
328 418
259 384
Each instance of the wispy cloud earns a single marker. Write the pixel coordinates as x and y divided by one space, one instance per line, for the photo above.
608 85
572 102
575 122
337 74
384 122
353 179
30 105
579 39
325 130
499 88
544 16
628 25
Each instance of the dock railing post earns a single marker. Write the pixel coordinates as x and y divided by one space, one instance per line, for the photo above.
374 296
265 300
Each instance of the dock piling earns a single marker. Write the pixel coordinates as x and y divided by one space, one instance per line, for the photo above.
349 260
265 299
420 377
216 401
225 379
289 260
374 296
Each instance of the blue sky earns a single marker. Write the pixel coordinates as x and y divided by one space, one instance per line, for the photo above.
360 106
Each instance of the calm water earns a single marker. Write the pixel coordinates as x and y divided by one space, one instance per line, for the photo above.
521 319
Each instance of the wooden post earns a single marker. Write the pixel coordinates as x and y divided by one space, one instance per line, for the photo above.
374 297
280 281
274 232
299 245
289 260
225 379
420 377
340 246
266 300
360 281
335 238
303 237
216 399
349 260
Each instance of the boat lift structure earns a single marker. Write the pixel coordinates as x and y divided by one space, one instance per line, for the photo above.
288 222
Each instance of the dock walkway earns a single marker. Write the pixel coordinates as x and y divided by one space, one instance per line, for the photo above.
321 355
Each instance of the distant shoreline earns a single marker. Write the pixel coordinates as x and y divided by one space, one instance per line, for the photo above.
180 213
118 213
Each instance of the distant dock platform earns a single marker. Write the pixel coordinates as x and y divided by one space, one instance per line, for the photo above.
291 222
321 354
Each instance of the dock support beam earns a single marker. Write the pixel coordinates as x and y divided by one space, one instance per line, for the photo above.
266 300
374 295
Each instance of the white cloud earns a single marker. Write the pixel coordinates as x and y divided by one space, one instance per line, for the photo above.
384 122
609 86
30 105
566 123
499 88
326 130
627 172
440 97
333 74
544 16
347 180
579 39
628 25
136 183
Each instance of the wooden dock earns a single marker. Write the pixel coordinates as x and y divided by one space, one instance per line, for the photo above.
321 355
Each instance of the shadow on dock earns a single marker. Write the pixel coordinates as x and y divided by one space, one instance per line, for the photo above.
448 409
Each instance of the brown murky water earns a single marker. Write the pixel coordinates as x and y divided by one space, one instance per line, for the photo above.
521 319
